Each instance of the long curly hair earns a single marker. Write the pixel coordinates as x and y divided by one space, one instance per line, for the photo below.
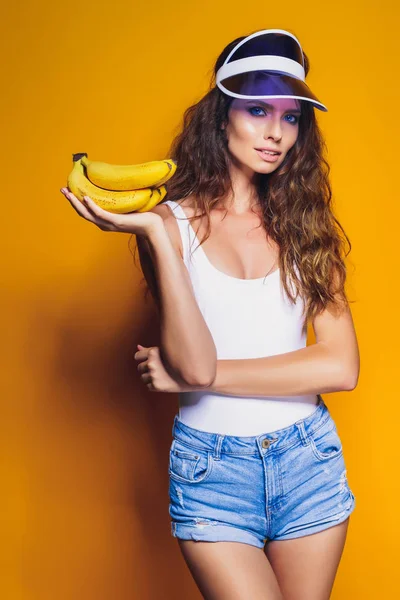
296 198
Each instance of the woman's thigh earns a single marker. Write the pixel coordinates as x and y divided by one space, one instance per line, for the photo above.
305 567
230 570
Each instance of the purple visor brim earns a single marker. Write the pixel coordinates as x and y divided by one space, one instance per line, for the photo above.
267 84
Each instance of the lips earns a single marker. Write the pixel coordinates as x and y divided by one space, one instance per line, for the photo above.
277 152
267 157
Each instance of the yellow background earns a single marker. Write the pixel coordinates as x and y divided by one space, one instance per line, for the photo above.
84 446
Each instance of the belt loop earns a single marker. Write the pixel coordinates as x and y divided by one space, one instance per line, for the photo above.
303 434
217 446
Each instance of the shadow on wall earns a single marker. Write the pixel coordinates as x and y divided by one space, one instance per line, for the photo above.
97 450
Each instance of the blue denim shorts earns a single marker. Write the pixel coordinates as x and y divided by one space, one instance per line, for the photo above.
274 486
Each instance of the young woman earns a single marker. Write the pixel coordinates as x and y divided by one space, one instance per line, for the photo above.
259 498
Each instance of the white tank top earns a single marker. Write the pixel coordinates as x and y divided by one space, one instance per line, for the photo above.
247 318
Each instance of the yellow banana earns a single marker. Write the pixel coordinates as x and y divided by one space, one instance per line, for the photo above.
155 199
128 177
115 202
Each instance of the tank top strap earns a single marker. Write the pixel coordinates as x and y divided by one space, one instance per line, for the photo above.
188 236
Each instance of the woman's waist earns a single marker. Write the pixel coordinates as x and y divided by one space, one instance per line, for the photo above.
234 415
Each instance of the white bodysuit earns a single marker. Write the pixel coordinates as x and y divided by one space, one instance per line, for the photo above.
247 318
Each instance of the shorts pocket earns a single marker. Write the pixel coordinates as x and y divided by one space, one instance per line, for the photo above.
188 464
325 442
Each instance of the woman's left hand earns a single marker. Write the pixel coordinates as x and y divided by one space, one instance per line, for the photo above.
154 373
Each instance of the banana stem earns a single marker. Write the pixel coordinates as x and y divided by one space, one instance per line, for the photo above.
78 156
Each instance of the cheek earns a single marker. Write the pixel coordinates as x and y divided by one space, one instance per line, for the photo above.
243 131
293 134
243 135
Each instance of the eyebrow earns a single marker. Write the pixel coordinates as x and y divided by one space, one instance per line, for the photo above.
272 107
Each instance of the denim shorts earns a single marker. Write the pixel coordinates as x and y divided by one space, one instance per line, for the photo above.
274 486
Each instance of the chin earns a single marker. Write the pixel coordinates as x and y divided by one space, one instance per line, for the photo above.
266 168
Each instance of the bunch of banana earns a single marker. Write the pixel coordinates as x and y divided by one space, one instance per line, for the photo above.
120 188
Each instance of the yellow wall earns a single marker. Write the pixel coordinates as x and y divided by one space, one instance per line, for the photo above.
84 445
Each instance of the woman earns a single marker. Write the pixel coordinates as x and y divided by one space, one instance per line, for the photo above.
256 464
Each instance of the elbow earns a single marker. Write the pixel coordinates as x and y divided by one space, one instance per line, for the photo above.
350 379
204 376
204 379
200 381
351 384
195 379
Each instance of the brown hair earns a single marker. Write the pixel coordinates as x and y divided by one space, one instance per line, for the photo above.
296 198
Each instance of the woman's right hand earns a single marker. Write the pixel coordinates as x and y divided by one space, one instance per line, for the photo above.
134 222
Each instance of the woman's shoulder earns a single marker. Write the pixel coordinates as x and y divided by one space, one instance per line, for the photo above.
188 204
170 223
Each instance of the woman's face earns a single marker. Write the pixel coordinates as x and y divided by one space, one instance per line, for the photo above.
255 124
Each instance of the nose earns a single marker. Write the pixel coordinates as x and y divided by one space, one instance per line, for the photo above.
273 129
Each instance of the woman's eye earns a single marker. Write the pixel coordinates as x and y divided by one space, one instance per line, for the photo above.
294 122
255 108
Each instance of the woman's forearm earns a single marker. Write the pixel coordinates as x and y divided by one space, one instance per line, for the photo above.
315 369
185 338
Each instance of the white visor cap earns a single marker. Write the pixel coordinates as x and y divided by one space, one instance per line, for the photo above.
266 64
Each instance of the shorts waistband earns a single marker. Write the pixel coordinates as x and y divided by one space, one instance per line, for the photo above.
278 440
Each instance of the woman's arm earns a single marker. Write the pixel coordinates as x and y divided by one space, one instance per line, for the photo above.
310 370
331 364
186 341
